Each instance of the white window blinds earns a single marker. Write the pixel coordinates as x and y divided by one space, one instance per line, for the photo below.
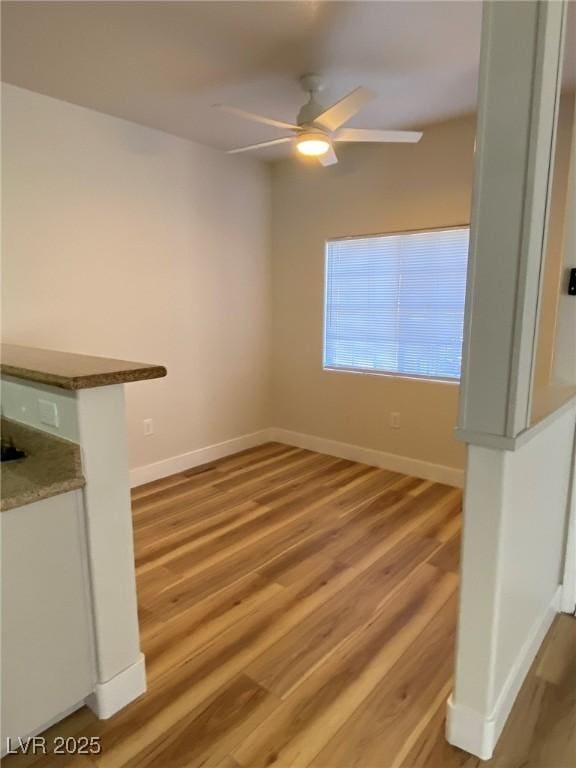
395 303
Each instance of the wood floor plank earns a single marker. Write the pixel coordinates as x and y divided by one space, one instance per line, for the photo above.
559 653
540 732
298 653
299 465
295 504
228 762
431 750
206 484
251 456
242 460
217 571
176 641
203 736
297 511
151 583
81 721
381 729
406 516
542 729
199 678
164 538
304 723
448 556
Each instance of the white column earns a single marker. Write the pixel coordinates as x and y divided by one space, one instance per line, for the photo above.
514 528
519 95
119 663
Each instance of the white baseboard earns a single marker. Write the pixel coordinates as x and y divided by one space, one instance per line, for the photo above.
439 473
113 695
469 730
403 464
171 466
478 733
568 600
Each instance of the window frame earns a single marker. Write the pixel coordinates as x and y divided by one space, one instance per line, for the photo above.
365 371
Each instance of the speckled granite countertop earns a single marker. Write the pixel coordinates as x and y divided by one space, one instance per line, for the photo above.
52 466
71 371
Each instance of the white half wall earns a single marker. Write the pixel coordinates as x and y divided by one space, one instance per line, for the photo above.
515 519
126 242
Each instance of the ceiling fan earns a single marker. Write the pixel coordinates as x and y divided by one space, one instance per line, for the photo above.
317 128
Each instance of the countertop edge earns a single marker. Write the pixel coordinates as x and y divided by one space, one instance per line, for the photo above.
46 492
85 382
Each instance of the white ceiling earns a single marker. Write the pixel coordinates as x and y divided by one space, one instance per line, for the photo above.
164 64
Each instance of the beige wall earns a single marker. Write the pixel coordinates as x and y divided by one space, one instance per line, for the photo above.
372 190
126 242
564 372
553 282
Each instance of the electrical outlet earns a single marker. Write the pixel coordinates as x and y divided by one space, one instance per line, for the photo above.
48 413
395 420
148 427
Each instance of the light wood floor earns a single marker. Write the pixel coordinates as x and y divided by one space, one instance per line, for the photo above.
299 610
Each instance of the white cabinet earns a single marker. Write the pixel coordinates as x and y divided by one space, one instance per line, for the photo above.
47 648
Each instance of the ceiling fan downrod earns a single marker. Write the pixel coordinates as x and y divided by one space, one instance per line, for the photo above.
312 84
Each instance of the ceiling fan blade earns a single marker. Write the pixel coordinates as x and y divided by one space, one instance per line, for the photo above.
328 158
336 115
366 134
259 145
257 118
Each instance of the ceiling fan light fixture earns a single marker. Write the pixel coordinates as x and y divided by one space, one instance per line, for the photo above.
317 128
313 143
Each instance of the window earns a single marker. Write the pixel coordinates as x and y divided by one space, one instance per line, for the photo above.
395 303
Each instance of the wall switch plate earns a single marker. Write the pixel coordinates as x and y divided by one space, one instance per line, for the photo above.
148 427
48 413
395 420
572 282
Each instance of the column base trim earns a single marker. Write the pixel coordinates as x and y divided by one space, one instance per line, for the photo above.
113 695
478 733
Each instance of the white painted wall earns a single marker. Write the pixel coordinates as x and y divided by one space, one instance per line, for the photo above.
127 242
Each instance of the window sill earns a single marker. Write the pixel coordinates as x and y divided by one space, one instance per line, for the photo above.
393 376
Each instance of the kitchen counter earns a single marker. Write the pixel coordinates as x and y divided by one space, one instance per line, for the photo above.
68 552
52 466
71 371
